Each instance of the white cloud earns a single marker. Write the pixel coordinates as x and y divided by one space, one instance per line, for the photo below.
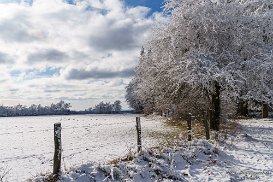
73 49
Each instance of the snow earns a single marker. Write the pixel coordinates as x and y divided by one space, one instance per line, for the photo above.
147 166
89 141
27 143
253 151
244 156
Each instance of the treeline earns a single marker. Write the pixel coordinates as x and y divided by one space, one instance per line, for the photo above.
60 108
105 108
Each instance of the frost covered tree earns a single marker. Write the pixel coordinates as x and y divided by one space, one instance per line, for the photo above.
210 52
103 108
33 110
117 106
106 108
132 97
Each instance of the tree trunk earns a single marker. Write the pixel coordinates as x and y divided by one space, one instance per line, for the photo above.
216 108
206 124
265 110
189 123
243 108
211 123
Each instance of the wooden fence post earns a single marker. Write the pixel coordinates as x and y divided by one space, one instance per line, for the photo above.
138 128
189 120
265 110
58 150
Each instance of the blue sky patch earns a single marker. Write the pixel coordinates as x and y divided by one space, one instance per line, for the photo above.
155 5
49 72
10 1
35 73
17 1
73 2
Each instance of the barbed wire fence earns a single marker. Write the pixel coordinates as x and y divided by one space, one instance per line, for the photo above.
59 149
70 150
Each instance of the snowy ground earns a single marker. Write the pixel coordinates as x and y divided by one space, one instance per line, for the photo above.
245 156
252 151
26 143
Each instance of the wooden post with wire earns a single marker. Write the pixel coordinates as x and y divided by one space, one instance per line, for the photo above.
138 128
58 150
189 120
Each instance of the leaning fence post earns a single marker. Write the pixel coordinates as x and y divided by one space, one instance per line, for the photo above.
138 128
189 120
58 150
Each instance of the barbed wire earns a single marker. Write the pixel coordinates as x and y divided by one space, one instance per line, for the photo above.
64 128
69 153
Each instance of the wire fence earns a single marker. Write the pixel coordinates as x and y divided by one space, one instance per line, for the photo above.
75 149
59 150
65 128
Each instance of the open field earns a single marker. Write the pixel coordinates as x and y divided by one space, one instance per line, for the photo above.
26 143
244 151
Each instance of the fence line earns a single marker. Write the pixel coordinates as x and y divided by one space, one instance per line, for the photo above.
58 145
48 153
64 128
69 153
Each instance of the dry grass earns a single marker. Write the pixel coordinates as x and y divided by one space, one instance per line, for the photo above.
128 157
180 131
198 128
230 127
165 139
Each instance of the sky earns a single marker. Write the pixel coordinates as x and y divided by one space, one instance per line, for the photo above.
79 51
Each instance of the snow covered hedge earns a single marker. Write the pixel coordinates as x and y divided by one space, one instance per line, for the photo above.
178 164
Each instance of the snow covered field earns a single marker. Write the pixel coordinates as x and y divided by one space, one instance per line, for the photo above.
252 151
26 150
26 143
244 156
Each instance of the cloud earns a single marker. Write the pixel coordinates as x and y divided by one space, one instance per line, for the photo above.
115 38
48 55
120 30
82 74
74 49
5 58
16 29
52 91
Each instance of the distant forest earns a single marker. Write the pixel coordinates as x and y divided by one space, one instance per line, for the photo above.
105 108
60 108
